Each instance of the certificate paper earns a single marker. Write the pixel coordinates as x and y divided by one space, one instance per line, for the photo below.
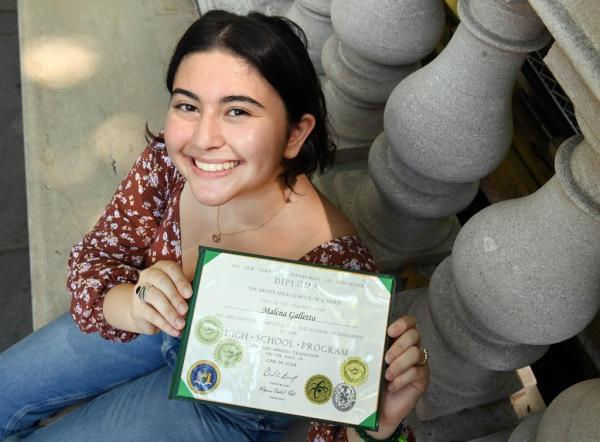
285 337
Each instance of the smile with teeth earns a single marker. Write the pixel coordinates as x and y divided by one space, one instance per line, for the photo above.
215 167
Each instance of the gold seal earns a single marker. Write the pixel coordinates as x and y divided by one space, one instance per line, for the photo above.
318 389
354 371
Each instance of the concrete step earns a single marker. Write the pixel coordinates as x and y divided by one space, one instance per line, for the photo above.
92 76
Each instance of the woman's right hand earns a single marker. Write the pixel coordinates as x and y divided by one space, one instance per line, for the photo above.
165 302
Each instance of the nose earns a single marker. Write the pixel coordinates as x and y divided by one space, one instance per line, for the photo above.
208 133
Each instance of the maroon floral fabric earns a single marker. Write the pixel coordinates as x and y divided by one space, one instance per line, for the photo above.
331 433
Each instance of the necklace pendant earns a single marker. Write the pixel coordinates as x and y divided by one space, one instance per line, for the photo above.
216 237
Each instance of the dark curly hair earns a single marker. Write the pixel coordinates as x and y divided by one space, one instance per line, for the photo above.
276 47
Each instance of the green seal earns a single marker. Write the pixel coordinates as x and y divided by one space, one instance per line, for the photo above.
208 330
229 352
354 371
318 389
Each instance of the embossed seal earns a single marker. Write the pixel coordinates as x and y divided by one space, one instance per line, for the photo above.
203 377
208 330
344 397
229 352
318 389
354 371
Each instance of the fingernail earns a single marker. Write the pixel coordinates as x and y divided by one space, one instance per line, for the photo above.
391 330
182 308
388 375
179 322
387 358
187 292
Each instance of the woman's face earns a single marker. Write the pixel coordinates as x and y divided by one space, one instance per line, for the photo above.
226 129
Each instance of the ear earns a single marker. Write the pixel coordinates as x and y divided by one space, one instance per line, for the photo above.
298 134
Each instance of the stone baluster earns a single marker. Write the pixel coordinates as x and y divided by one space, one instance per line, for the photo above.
446 126
571 417
523 273
314 19
376 43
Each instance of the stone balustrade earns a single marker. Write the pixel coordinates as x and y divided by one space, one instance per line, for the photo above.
375 45
523 273
571 417
446 126
314 18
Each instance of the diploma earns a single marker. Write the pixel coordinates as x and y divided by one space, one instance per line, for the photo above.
285 337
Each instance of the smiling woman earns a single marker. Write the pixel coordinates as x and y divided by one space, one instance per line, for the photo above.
246 127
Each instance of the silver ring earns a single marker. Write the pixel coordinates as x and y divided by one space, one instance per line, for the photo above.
141 291
425 356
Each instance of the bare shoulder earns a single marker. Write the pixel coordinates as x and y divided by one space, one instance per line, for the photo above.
338 223
319 218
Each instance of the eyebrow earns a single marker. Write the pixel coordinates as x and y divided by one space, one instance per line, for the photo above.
224 100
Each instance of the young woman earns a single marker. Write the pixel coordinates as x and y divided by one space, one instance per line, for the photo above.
246 126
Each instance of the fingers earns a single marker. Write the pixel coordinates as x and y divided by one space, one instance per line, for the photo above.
416 376
401 325
156 299
412 356
405 356
409 338
165 301
154 321
164 283
175 274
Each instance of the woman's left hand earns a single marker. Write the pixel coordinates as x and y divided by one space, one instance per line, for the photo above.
406 374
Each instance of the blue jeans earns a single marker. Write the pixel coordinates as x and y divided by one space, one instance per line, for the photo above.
128 385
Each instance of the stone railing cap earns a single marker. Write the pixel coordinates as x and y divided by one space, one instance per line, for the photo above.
575 26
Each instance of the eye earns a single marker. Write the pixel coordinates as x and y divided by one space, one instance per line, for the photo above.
185 107
237 112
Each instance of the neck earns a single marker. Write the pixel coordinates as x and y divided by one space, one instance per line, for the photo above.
251 209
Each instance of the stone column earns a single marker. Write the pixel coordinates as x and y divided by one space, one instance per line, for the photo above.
571 417
446 126
523 273
314 18
376 44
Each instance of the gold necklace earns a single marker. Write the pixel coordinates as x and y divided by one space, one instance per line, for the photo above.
217 236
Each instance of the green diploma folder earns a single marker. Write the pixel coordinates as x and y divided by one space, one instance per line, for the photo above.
287 337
